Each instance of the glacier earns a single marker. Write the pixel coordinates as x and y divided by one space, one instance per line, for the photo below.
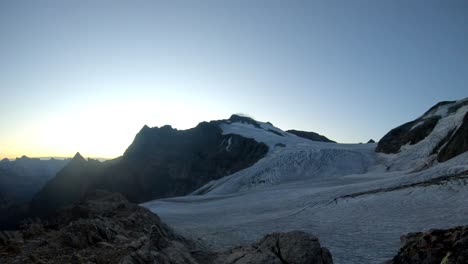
358 202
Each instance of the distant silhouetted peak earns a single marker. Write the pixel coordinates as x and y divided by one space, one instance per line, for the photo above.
370 141
5 160
24 157
78 157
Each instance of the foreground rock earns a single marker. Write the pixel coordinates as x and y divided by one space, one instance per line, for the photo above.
281 248
434 247
106 228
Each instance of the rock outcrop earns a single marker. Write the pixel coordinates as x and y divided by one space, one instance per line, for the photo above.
280 248
105 228
457 142
411 132
447 144
310 136
448 246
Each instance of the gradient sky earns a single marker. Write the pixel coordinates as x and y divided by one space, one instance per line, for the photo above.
87 75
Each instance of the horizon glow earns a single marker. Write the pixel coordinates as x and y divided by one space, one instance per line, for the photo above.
86 76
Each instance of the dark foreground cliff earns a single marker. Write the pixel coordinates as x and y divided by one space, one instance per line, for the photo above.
105 228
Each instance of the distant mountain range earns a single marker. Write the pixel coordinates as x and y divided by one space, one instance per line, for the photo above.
238 179
166 162
20 180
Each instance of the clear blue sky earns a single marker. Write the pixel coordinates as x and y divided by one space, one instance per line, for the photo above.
87 75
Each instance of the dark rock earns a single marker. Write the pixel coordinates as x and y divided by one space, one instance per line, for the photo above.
104 228
448 246
293 247
457 143
416 130
411 132
84 233
370 141
68 186
244 119
161 162
439 104
454 108
310 135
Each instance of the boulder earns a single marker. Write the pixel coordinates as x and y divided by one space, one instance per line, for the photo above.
436 246
295 247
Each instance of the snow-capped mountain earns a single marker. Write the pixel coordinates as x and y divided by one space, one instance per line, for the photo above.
359 201
166 162
290 158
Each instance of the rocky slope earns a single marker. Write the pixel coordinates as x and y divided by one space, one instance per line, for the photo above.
415 131
310 135
437 136
161 162
105 228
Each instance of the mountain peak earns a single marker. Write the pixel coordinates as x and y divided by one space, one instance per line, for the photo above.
78 157
5 160
243 119
24 157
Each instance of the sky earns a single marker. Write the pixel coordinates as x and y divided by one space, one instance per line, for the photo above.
88 75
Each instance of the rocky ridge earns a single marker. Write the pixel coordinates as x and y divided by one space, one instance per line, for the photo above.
105 228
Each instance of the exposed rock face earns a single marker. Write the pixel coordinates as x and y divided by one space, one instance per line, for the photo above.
434 247
411 132
105 228
292 247
457 143
161 162
310 135
451 144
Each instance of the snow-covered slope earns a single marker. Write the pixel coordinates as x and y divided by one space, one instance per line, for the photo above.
290 158
424 153
358 202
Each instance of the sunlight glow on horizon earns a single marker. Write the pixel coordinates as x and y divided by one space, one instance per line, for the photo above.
86 76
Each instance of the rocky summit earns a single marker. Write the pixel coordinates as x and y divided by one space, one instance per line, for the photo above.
106 228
